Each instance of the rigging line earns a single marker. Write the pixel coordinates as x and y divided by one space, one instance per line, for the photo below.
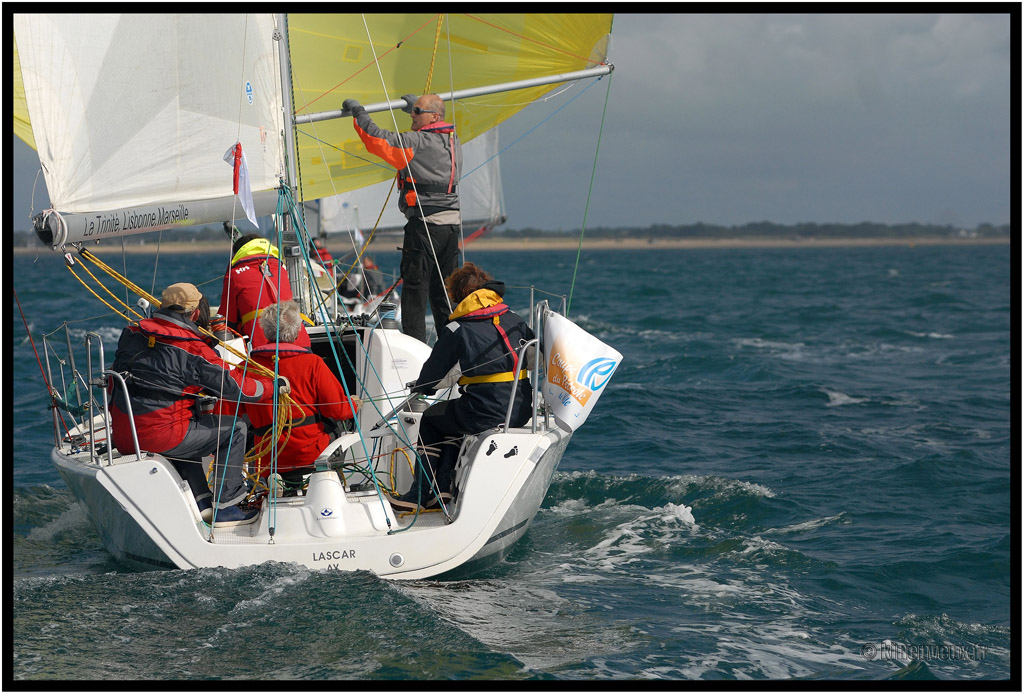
540 123
328 324
124 314
590 189
245 34
369 64
124 268
556 49
365 160
433 54
156 261
451 84
369 238
31 340
226 299
88 255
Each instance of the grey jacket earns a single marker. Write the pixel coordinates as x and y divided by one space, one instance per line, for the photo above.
431 157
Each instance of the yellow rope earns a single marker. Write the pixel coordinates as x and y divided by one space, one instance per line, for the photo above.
283 422
392 473
433 55
116 298
101 299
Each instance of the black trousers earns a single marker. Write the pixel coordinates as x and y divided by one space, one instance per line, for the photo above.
420 277
441 434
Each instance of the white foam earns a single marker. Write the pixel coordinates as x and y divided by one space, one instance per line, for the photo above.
932 335
809 525
531 622
280 585
73 518
838 399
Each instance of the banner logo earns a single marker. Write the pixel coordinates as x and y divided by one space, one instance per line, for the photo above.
596 373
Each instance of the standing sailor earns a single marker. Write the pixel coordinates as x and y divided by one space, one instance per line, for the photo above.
429 163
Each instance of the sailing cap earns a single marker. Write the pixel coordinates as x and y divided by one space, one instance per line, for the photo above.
181 294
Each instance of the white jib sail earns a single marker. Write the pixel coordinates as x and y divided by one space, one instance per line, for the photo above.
579 367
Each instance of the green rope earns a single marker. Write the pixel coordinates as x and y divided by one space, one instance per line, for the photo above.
590 189
64 402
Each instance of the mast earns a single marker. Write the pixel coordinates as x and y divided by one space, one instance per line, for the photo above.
291 252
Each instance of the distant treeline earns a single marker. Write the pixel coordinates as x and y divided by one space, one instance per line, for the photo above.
772 230
656 231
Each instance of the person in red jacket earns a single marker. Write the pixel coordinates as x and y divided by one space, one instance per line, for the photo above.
256 279
320 400
166 363
321 252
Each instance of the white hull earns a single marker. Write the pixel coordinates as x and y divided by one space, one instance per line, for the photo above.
145 515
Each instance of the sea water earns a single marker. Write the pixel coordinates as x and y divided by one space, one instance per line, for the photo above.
801 469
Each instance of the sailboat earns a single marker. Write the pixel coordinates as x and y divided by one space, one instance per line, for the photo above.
132 145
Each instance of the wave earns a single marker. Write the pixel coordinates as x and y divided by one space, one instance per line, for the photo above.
837 399
805 526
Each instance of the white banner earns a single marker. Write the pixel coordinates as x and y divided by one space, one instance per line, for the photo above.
579 366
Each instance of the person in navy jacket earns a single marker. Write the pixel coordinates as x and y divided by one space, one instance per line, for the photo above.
480 347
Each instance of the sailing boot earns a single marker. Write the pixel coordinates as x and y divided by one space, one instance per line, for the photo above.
418 494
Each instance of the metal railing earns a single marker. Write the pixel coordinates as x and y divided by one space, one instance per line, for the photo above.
90 404
537 319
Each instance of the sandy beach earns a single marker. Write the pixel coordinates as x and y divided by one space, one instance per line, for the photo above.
539 244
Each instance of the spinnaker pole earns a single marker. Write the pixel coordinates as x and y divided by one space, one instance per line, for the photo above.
600 71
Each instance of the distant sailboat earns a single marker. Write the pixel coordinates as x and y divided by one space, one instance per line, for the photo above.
131 127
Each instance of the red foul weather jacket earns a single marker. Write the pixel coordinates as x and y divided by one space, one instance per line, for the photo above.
255 280
169 362
317 394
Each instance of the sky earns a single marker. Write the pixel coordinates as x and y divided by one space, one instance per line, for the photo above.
728 119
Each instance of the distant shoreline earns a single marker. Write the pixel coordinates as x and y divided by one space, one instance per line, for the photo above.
540 244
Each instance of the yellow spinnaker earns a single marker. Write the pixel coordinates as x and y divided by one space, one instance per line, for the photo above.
332 60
